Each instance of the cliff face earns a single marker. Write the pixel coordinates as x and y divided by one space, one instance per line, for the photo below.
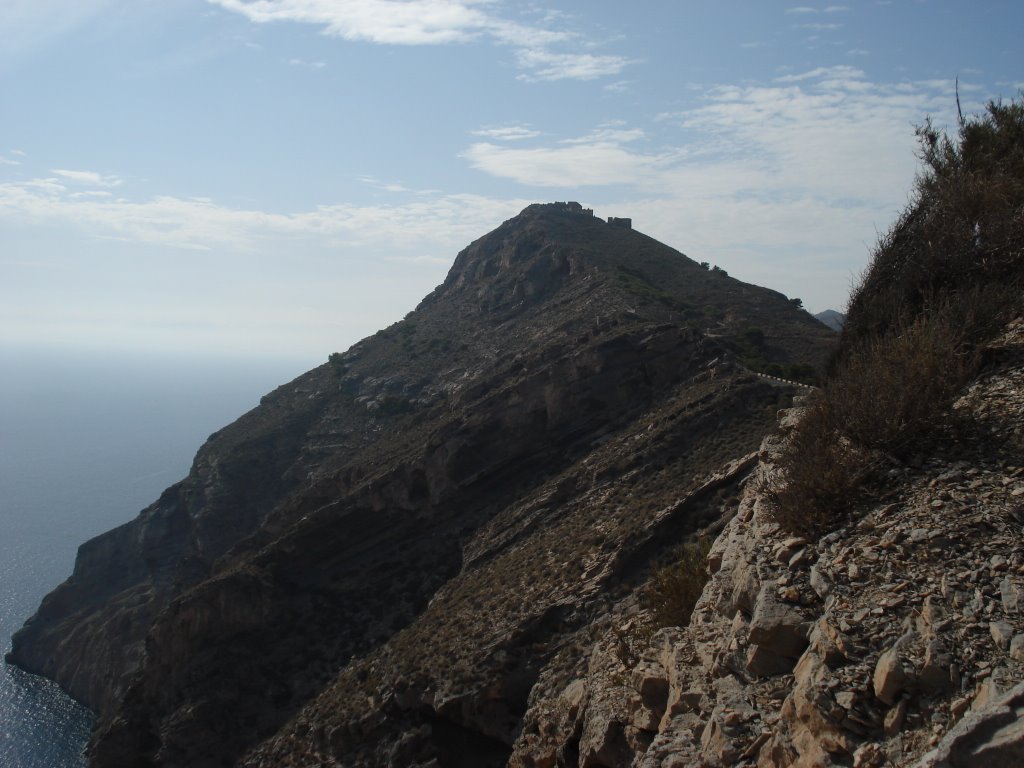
382 560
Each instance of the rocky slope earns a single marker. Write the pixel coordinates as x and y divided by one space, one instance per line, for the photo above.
389 558
897 640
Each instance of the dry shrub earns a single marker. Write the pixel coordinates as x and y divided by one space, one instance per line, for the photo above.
889 395
820 475
941 283
896 389
673 591
963 230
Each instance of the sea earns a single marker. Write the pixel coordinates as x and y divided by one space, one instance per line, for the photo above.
87 440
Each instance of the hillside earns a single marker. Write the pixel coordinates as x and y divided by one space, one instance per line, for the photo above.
559 516
385 557
832 319
864 602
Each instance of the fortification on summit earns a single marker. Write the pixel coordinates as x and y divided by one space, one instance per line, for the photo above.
573 207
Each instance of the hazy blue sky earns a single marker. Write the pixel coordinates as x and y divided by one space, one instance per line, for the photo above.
284 177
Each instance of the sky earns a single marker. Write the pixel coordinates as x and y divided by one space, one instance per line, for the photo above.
281 178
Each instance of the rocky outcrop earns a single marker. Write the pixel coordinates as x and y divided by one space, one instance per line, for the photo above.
886 639
991 736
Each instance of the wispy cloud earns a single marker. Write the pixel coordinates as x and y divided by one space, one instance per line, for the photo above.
610 134
507 133
543 52
844 73
543 64
806 9
416 22
307 64
599 158
619 86
88 177
441 223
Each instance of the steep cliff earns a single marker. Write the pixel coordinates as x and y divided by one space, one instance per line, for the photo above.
380 562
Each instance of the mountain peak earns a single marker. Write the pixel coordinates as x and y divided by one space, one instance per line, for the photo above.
570 375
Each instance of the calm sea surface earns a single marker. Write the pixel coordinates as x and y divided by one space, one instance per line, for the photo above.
87 441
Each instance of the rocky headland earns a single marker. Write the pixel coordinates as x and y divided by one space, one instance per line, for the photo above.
438 512
580 508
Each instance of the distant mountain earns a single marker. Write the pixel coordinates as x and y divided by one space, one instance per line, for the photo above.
832 319
378 563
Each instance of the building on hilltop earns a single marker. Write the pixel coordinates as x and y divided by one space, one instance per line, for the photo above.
573 207
615 221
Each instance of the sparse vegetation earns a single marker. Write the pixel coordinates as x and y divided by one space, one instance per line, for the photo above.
635 282
674 590
940 284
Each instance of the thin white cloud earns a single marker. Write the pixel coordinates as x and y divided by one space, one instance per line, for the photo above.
417 22
609 134
88 177
507 133
858 52
307 64
806 9
619 86
543 64
439 222
440 22
821 27
573 163
18 153
8 161
851 74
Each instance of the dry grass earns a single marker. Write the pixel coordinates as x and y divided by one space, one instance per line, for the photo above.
673 591
940 285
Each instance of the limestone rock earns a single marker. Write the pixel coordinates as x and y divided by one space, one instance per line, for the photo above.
889 679
777 629
992 737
